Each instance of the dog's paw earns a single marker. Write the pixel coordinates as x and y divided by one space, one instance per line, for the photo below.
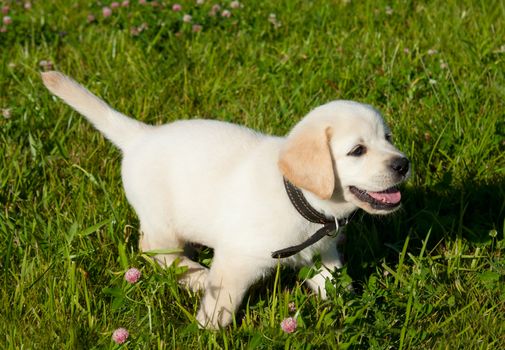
194 278
206 322
212 316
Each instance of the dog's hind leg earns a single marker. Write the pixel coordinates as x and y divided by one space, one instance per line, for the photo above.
229 279
170 250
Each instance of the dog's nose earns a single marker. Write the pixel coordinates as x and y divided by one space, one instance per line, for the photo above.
400 165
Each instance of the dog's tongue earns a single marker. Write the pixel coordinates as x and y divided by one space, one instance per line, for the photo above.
391 196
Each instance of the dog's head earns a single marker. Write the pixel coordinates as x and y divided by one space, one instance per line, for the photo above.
342 151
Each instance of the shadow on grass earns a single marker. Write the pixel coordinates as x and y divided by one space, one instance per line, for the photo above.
470 212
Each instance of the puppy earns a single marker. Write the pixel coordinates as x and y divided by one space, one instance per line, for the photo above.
225 186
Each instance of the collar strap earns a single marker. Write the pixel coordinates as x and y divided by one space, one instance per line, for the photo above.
303 207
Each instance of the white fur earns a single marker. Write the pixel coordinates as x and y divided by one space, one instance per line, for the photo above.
219 184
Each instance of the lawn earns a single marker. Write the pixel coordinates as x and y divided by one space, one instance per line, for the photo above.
431 276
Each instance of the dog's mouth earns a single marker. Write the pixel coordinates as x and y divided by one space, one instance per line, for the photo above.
384 200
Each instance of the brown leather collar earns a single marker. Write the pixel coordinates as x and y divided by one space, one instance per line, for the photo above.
308 212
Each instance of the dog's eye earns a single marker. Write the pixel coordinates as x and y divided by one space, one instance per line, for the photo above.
389 137
357 151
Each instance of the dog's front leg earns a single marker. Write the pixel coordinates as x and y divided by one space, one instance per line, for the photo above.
228 281
331 259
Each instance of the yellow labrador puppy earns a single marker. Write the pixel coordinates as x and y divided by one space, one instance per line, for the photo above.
256 199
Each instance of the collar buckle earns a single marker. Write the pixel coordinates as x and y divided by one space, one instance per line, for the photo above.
331 227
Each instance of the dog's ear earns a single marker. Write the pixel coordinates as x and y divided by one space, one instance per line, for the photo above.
305 160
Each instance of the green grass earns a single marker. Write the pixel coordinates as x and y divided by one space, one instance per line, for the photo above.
431 276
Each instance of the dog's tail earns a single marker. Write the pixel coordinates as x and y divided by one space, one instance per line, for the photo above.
117 127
